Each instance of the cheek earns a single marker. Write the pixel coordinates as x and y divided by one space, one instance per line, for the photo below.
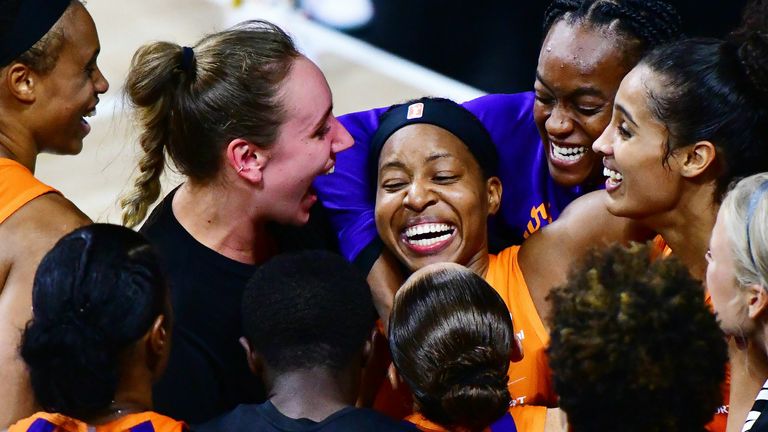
540 115
595 125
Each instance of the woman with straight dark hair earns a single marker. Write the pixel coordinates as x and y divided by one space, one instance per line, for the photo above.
100 334
687 121
451 338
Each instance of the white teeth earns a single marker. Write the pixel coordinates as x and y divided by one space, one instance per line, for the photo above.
331 169
90 113
568 153
428 228
613 175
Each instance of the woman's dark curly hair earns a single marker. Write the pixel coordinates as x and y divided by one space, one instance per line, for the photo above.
634 346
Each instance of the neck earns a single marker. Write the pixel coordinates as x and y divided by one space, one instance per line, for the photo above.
314 393
125 403
17 145
688 226
217 217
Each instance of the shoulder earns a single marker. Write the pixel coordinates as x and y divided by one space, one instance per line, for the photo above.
366 419
243 417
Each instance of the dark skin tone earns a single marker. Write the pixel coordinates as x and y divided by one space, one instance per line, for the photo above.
313 394
579 71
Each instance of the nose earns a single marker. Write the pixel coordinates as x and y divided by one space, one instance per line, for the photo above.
419 196
343 140
559 123
603 143
101 85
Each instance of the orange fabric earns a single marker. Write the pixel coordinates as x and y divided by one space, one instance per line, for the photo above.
660 250
160 423
17 187
530 380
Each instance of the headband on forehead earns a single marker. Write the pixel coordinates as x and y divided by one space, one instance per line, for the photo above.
445 114
31 22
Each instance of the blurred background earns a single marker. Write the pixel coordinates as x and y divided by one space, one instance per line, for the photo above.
373 52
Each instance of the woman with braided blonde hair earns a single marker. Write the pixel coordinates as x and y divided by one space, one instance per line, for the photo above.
248 120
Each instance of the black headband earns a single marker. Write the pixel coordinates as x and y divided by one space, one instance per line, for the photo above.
445 114
32 21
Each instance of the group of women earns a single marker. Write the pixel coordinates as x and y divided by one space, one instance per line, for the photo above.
670 122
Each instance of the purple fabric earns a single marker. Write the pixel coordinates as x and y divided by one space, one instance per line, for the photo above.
41 425
530 198
505 424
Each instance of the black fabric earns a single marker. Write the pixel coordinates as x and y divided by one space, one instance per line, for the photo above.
445 114
31 22
207 372
266 418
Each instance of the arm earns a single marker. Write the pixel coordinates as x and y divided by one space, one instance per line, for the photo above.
26 237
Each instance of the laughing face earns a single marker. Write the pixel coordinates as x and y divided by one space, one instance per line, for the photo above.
432 202
306 146
579 71
68 94
641 180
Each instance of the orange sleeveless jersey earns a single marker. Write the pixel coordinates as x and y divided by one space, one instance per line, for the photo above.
530 380
660 250
17 187
147 421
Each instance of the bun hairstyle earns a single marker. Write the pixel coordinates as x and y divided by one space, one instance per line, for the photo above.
717 91
190 102
647 23
95 294
450 337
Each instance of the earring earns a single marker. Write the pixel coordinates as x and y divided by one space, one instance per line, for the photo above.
239 170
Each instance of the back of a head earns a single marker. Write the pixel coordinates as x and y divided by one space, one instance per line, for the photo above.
450 335
95 294
717 91
641 24
745 214
305 310
627 337
190 102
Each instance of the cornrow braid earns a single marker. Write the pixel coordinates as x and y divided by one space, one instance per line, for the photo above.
650 22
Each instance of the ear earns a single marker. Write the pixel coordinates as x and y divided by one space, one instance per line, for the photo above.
696 158
255 361
159 337
493 186
516 351
21 82
247 159
371 347
757 301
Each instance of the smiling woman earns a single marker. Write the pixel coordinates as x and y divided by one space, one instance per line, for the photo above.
248 120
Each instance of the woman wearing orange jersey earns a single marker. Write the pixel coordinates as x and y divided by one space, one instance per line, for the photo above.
436 187
100 335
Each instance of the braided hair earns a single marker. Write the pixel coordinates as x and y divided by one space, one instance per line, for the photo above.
648 23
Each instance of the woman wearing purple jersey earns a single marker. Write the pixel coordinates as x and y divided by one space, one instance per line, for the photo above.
543 137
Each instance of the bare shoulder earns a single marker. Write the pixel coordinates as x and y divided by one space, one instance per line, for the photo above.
31 232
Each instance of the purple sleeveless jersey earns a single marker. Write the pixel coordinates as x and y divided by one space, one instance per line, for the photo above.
530 198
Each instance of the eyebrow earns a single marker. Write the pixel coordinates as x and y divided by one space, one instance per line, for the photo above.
581 91
626 114
323 119
435 156
392 164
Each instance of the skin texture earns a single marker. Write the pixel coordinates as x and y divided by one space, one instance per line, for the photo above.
229 214
728 300
40 113
578 73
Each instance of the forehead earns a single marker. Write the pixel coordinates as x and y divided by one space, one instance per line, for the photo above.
421 140
633 96
81 40
305 94
574 53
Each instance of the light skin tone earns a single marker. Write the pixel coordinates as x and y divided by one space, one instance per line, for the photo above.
578 73
40 112
267 183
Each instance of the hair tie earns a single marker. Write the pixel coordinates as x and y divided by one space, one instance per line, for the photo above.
754 200
187 59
